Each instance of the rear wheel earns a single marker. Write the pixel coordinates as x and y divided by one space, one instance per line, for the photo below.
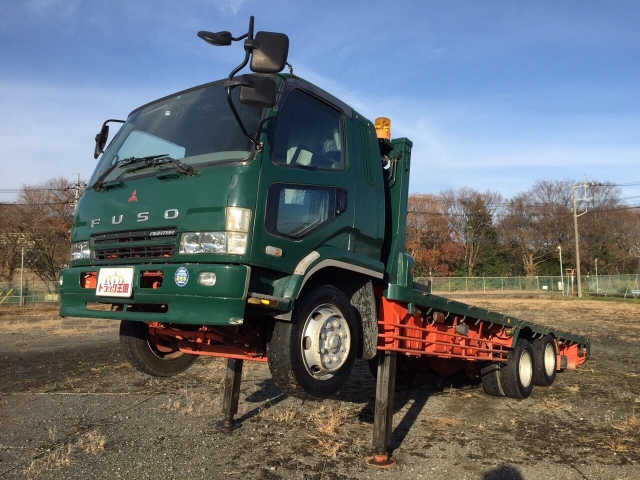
516 377
312 356
148 354
544 360
491 380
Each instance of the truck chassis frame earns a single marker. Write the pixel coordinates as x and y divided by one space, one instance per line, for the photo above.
449 335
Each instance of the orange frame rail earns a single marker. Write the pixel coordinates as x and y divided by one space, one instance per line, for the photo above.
460 337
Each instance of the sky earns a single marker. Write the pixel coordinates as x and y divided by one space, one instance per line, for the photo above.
495 95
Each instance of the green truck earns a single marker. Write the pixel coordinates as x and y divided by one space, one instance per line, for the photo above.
261 218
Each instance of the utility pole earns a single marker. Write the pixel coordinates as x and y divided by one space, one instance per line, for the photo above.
561 271
77 193
22 279
597 289
575 228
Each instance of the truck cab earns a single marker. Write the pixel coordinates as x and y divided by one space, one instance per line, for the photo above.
213 220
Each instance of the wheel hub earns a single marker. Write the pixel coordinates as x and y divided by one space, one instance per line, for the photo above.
525 369
326 341
549 359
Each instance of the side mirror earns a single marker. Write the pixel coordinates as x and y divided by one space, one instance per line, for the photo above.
219 39
101 140
270 53
102 136
257 91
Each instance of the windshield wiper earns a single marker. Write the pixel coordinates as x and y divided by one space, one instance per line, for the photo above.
164 159
97 186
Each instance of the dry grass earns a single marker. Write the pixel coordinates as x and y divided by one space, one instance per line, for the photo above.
53 326
629 425
40 310
183 405
276 415
440 423
328 422
553 405
585 317
625 438
90 443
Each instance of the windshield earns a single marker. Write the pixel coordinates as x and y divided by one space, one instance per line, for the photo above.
196 127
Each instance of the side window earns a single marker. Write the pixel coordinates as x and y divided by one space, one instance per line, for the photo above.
294 211
308 133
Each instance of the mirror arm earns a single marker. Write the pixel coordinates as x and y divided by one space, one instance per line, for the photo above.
255 142
249 45
241 37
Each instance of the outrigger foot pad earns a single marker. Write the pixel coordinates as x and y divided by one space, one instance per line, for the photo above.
228 424
381 461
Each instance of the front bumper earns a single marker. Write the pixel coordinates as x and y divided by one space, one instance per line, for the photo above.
192 304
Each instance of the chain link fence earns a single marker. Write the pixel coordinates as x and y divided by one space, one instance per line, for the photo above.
32 292
605 285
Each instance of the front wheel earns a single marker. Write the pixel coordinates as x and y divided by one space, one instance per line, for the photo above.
312 356
148 354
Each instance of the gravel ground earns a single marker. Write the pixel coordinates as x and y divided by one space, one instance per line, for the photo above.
71 407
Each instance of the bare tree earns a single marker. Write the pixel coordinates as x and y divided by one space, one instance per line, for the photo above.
429 240
11 240
471 222
44 221
609 231
536 222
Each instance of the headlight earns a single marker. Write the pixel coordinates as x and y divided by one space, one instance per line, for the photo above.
203 242
232 241
80 250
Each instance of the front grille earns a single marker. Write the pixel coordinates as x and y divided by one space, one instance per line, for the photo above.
157 234
127 239
155 251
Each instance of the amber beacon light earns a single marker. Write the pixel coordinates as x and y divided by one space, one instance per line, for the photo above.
383 128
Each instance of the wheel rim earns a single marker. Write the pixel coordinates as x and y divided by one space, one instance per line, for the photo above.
549 359
326 341
525 369
162 351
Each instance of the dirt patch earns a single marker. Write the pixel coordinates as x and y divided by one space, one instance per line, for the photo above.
72 407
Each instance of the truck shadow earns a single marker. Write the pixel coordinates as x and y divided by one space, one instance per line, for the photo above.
503 472
360 389
413 394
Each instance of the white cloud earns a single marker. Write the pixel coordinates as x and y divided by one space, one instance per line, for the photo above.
228 6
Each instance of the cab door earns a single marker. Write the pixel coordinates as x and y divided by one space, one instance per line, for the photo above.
304 198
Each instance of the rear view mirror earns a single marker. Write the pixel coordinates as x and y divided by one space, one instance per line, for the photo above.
257 91
102 137
270 53
101 140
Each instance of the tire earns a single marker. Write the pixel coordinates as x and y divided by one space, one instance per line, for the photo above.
516 377
148 356
313 355
491 383
544 361
406 368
